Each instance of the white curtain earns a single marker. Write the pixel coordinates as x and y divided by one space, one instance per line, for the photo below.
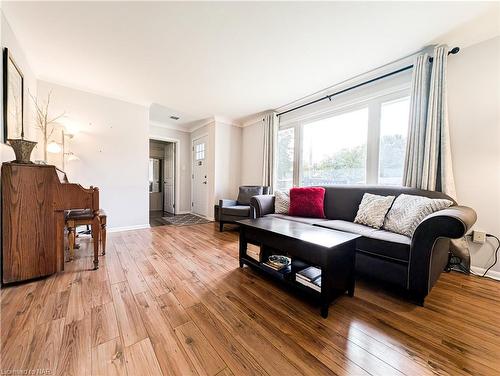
428 162
270 124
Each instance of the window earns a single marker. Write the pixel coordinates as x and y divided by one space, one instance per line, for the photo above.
334 150
200 151
393 134
364 143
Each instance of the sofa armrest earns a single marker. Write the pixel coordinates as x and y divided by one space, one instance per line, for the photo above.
226 203
262 205
430 246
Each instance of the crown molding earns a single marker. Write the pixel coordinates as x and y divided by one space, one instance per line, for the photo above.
228 121
174 127
208 121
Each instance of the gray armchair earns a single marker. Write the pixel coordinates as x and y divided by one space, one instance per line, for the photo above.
235 210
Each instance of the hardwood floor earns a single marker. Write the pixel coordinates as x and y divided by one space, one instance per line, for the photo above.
172 301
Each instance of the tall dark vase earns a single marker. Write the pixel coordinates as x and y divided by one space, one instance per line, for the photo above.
22 149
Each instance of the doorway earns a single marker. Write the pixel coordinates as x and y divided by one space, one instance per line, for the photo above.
162 180
200 186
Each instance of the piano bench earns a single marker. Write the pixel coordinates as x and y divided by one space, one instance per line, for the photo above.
81 217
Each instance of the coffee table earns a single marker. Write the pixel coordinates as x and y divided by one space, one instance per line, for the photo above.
331 250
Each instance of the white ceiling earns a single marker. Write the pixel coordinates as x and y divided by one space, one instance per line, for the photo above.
224 59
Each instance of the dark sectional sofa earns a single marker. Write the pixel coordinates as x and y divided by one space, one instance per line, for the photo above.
414 264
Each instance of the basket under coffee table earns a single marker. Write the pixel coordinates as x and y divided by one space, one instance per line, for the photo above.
330 250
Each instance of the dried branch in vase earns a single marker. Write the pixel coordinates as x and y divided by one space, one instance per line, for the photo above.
43 121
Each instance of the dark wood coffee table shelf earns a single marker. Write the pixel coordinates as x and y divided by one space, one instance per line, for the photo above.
331 250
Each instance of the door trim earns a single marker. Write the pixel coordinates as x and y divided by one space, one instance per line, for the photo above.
177 143
193 140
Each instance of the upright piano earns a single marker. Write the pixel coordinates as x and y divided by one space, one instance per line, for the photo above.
34 200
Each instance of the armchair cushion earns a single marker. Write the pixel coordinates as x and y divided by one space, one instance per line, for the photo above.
237 210
246 192
226 203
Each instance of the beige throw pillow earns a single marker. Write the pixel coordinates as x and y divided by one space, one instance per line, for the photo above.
281 202
372 210
408 211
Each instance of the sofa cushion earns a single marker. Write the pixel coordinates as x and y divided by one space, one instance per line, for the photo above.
307 202
281 202
386 244
376 242
237 210
372 210
408 211
307 221
246 192
347 226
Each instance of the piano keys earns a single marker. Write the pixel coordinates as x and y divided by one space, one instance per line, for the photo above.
34 199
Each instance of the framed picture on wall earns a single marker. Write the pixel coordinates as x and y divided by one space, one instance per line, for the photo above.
13 98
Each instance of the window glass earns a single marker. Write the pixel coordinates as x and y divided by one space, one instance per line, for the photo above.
285 159
200 151
334 150
393 134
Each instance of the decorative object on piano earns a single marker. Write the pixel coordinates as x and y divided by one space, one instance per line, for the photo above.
44 122
13 109
13 98
22 149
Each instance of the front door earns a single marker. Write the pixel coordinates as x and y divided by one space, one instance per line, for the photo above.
169 178
200 186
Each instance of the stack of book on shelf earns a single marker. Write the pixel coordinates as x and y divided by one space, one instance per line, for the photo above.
310 277
277 262
254 252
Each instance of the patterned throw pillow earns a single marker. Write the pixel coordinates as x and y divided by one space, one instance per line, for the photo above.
372 210
408 211
281 202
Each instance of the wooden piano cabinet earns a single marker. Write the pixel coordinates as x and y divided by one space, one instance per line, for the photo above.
34 198
28 222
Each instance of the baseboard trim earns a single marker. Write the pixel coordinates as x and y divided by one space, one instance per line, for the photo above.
128 228
183 212
492 273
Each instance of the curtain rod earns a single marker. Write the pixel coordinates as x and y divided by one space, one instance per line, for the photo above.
453 51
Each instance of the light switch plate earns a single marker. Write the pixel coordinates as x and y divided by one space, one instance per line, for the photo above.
478 236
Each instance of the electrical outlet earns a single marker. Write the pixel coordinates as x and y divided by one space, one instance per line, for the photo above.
478 236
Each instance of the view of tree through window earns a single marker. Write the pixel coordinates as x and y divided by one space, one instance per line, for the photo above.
285 159
334 150
393 134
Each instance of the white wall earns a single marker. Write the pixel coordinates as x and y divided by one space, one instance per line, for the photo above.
10 41
113 149
184 139
227 161
474 105
252 146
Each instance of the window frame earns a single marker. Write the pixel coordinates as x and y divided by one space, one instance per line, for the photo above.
374 106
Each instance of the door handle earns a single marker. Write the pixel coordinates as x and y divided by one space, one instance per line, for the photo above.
204 182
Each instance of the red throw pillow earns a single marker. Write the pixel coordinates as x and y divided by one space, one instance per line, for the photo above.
307 202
